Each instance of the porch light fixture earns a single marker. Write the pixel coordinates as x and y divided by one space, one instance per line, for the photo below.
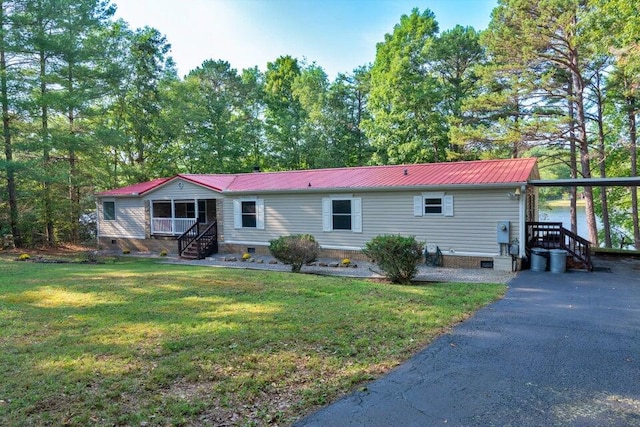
515 195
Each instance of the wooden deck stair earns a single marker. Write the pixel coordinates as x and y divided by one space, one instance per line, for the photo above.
552 235
199 241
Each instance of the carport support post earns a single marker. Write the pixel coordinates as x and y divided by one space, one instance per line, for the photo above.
522 226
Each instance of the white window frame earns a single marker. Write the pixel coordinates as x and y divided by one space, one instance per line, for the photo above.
115 216
237 213
356 214
419 206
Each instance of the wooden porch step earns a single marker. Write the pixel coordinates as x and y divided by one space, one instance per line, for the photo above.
190 253
194 238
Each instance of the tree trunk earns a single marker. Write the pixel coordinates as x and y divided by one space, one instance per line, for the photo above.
46 160
573 191
581 137
74 190
601 162
6 132
631 116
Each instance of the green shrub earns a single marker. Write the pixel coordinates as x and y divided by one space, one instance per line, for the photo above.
295 250
24 257
126 251
163 252
398 256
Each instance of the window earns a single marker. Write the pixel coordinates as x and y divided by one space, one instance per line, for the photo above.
109 211
185 209
162 209
342 214
248 213
249 218
433 204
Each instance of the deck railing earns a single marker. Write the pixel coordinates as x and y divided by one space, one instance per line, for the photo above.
171 225
188 237
552 235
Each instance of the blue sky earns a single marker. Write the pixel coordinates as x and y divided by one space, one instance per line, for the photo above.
338 35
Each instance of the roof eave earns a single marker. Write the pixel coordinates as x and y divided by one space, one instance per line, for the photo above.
368 189
209 187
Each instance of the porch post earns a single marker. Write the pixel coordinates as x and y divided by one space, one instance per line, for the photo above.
173 216
148 213
522 228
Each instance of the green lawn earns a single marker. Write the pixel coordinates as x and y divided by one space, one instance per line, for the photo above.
136 342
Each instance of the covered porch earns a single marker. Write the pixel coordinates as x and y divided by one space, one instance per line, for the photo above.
174 217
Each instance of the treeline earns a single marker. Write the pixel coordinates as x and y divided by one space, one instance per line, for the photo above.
90 104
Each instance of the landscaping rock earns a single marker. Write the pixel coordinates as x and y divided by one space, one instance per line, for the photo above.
334 265
231 259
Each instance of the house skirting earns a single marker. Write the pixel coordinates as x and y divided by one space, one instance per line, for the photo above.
154 244
451 261
157 244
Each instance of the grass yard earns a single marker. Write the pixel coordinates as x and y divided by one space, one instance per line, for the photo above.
136 342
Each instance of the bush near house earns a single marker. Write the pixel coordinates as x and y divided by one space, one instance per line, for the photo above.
295 250
398 256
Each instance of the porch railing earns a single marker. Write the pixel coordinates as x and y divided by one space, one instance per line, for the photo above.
201 243
188 237
171 225
552 235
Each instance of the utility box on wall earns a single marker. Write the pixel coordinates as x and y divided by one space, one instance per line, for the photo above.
503 232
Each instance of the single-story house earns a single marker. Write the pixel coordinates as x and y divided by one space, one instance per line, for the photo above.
471 211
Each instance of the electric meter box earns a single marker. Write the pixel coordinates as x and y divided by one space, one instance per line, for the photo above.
503 231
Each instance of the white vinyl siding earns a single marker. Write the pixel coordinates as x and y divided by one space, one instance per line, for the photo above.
181 189
129 218
471 230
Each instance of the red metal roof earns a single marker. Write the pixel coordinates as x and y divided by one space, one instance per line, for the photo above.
135 189
218 182
482 172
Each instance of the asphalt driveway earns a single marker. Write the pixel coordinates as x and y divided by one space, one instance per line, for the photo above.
558 350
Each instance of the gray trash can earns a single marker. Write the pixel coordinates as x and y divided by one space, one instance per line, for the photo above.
539 259
557 260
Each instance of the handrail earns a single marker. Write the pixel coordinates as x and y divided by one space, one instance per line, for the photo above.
188 237
205 241
210 239
550 235
577 246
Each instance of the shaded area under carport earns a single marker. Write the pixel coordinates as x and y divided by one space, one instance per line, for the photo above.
559 349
